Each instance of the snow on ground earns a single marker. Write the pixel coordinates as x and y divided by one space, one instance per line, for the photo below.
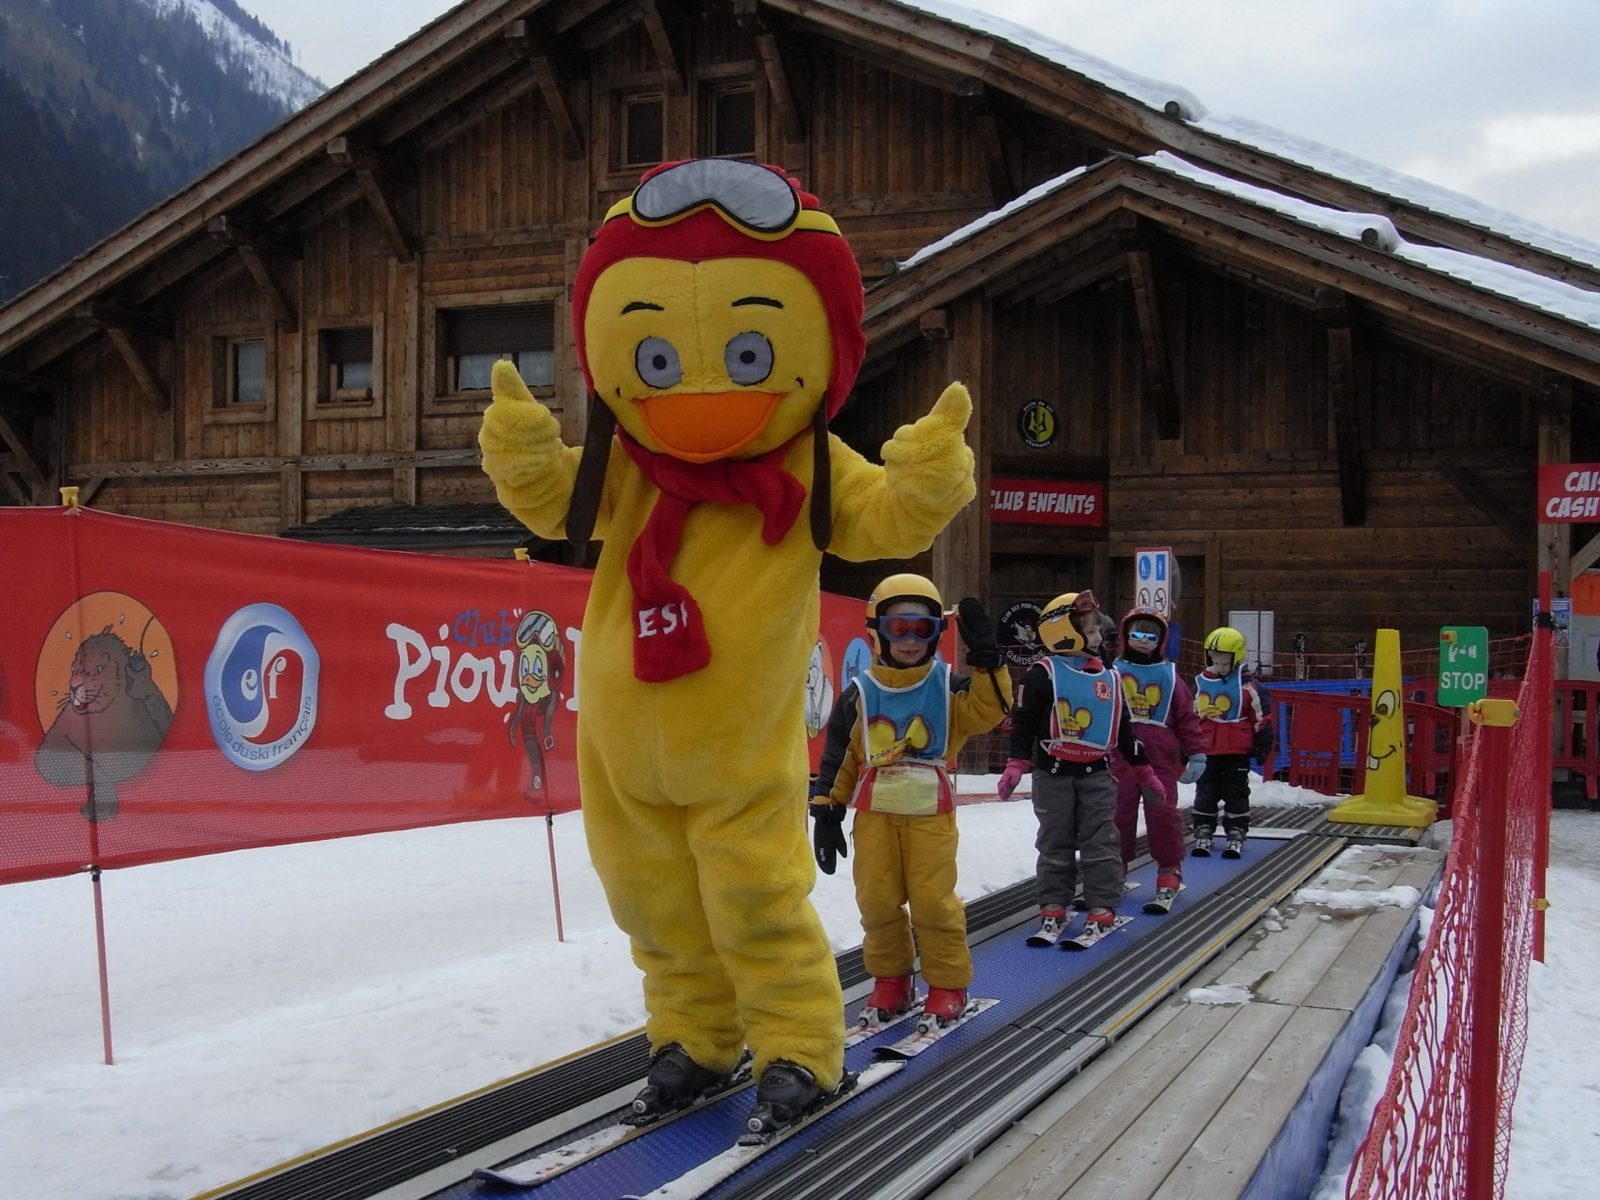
267 1003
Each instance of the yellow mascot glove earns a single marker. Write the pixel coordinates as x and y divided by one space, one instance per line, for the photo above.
930 458
524 455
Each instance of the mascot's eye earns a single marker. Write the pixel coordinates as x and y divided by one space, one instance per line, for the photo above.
657 362
748 357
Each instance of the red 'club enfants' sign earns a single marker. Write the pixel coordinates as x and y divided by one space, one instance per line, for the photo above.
1046 502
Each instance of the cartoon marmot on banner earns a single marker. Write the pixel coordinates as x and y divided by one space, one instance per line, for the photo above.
112 721
718 323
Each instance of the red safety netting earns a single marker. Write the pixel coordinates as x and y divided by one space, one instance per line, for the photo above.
167 691
1426 1137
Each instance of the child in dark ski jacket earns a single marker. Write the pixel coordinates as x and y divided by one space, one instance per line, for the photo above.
1064 729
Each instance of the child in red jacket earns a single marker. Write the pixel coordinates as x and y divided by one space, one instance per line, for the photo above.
1238 726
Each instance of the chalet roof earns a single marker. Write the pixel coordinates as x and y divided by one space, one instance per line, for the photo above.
415 527
291 163
1506 318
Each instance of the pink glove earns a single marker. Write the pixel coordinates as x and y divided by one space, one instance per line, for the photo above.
1011 776
1148 780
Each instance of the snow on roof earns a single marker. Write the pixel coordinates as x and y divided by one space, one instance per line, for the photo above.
1371 229
1526 287
1177 101
1151 92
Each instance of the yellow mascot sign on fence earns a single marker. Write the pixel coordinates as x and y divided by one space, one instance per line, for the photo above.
1385 801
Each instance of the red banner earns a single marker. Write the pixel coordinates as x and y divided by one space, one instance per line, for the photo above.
1569 493
167 691
1046 502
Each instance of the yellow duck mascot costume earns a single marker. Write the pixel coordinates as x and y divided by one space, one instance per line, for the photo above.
718 321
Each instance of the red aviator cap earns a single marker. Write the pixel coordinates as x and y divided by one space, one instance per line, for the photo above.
727 208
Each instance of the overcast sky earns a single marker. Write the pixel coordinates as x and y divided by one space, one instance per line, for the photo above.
1499 99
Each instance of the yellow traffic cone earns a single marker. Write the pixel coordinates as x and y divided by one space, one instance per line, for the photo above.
1385 801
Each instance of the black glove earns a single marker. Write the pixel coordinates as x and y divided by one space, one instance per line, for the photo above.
1261 745
977 634
827 836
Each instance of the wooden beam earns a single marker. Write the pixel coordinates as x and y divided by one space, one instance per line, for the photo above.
23 460
370 173
527 40
1158 379
1555 446
661 42
1476 492
122 326
748 15
272 464
8 478
1002 181
253 245
104 314
1333 310
1584 558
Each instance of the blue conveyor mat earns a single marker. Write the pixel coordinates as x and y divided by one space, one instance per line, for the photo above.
1050 1000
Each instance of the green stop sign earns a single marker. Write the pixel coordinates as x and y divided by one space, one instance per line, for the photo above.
1463 664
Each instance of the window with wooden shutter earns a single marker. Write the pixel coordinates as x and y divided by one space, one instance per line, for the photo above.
347 365
472 339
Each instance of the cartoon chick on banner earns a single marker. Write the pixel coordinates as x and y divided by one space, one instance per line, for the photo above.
718 324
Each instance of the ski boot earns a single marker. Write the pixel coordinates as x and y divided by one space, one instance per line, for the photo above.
1096 925
1168 881
892 998
1235 846
787 1094
675 1082
1202 844
1052 921
944 1006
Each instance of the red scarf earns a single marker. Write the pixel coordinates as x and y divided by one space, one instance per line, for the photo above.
669 636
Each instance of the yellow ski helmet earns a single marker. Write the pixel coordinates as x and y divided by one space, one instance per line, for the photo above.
1226 640
904 586
1061 623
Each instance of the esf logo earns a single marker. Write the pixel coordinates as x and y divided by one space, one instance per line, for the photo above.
261 687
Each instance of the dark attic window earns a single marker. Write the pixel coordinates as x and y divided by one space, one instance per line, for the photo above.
731 112
643 122
472 339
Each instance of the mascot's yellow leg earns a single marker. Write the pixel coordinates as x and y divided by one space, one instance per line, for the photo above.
715 900
911 860
756 872
641 853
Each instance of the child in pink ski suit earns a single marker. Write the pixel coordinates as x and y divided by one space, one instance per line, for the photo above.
1161 708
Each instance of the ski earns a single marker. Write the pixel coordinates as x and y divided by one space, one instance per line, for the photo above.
1086 939
1161 902
930 1031
558 1160
1202 847
697 1181
1234 848
1050 931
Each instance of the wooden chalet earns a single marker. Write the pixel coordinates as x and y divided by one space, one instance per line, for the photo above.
1234 350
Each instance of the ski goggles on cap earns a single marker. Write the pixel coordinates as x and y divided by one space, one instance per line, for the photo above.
907 626
760 202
